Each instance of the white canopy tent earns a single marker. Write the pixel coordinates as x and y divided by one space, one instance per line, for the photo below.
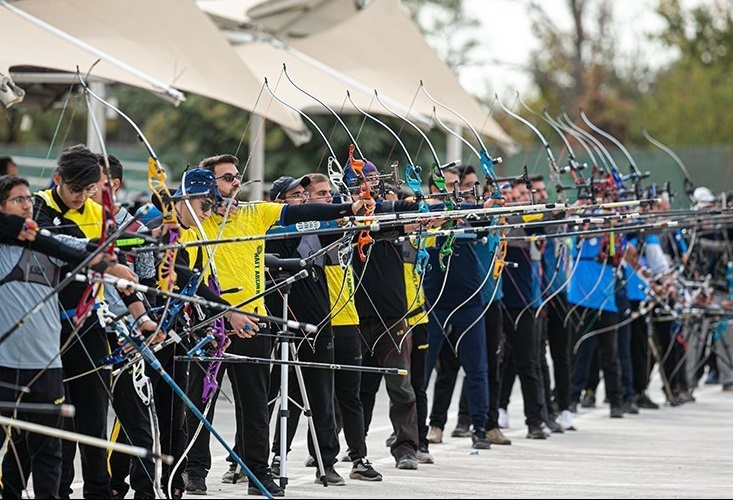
170 40
331 46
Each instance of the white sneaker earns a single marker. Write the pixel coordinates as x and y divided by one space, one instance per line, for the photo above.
565 419
503 419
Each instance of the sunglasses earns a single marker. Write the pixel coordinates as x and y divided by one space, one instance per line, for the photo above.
228 177
206 205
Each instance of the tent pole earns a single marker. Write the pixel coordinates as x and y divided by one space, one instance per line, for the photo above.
256 169
96 113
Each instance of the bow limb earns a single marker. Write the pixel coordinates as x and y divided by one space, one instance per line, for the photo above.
487 162
574 167
333 161
689 184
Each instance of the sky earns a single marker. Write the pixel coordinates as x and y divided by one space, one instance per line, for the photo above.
507 38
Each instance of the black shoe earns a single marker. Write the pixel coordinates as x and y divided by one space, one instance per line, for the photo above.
270 485
686 397
479 440
645 402
196 485
332 477
364 471
275 466
461 431
631 408
555 427
176 493
390 440
535 432
407 461
617 412
589 399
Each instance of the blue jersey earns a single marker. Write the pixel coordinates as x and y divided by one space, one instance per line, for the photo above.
592 283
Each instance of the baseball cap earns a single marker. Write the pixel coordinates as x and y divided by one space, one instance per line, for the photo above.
350 176
284 184
702 197
197 181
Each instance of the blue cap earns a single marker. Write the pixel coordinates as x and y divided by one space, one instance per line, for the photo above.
198 181
350 176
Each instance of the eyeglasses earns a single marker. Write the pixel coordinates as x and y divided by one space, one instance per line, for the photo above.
87 191
228 177
19 200
298 196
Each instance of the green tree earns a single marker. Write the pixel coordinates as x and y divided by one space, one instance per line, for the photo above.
689 101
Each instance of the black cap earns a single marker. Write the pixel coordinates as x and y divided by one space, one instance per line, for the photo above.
284 184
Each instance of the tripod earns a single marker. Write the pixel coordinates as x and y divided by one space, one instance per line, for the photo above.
287 343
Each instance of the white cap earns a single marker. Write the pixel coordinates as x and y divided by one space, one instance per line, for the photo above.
702 197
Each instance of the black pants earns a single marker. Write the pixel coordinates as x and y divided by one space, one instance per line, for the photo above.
90 395
494 323
171 412
418 377
607 345
558 338
319 385
251 384
390 350
640 355
36 454
347 351
133 426
447 369
522 348
198 458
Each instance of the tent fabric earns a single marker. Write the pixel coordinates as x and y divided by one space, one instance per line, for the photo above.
170 40
377 48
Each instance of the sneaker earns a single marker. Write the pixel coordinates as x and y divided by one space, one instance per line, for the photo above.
363 470
275 466
117 494
535 432
435 435
196 485
617 412
332 477
390 440
461 431
310 461
589 399
545 429
233 475
495 436
565 419
554 427
479 441
424 456
503 419
631 408
573 407
712 378
645 402
275 489
686 397
407 462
